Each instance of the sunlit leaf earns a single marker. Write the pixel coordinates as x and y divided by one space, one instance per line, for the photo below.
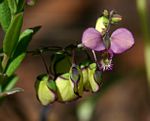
5 15
12 34
24 40
13 6
10 83
14 64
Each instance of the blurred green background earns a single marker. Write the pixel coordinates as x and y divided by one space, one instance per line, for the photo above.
124 95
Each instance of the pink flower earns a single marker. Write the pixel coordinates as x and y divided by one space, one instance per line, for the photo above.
120 41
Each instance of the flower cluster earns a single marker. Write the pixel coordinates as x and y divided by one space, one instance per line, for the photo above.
71 79
98 39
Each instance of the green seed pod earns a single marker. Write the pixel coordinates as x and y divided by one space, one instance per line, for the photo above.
92 80
44 94
65 88
77 79
101 24
91 77
86 84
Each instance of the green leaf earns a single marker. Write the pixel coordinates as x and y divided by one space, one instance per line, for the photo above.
10 92
5 15
44 94
12 34
24 40
14 64
13 6
20 5
10 83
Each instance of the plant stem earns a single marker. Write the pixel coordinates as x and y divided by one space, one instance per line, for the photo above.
142 10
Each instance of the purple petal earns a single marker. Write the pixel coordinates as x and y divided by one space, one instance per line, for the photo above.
92 39
121 40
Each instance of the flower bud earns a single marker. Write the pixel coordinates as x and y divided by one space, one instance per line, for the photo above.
31 2
116 18
101 24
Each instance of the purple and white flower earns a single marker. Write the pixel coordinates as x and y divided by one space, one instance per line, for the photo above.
120 41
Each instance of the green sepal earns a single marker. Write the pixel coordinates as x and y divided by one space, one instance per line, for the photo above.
12 34
5 15
44 94
65 88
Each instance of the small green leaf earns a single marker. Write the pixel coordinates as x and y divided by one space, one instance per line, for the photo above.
12 34
20 5
10 83
10 92
24 40
44 94
14 64
13 6
5 15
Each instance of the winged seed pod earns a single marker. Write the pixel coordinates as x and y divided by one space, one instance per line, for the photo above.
91 77
65 88
77 79
44 94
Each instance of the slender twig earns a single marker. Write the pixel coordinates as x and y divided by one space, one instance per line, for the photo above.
46 67
95 58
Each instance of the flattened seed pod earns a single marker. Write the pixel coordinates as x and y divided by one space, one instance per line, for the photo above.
94 77
84 71
44 94
77 78
65 88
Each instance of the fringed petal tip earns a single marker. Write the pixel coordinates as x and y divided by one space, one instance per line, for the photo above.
92 39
